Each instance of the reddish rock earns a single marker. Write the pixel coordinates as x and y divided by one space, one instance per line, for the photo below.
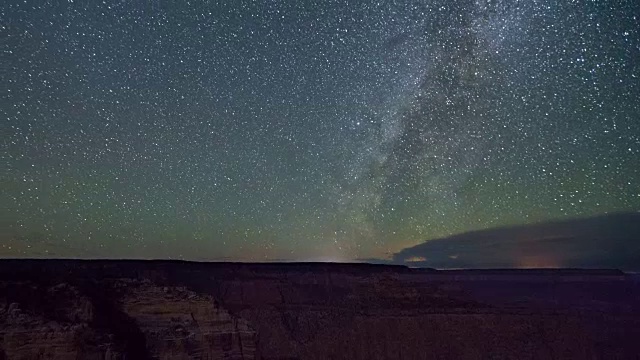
178 310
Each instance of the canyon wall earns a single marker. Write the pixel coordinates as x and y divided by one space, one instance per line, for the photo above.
179 310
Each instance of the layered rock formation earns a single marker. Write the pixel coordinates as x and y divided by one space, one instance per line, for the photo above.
117 319
179 324
177 310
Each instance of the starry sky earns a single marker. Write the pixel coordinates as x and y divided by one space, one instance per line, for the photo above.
309 130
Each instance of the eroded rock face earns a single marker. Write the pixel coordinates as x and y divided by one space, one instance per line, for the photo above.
177 310
50 322
386 316
180 324
117 319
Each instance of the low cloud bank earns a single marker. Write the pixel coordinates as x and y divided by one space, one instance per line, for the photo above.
607 241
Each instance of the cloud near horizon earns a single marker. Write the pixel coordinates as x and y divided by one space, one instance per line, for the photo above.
607 241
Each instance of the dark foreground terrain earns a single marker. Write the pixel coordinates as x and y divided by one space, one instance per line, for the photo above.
59 309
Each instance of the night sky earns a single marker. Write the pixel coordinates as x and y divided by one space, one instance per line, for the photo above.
309 130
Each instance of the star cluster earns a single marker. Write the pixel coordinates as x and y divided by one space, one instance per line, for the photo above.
310 130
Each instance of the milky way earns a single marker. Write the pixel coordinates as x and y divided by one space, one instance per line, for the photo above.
266 130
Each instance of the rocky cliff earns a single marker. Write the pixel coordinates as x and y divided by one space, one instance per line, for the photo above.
177 310
117 319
